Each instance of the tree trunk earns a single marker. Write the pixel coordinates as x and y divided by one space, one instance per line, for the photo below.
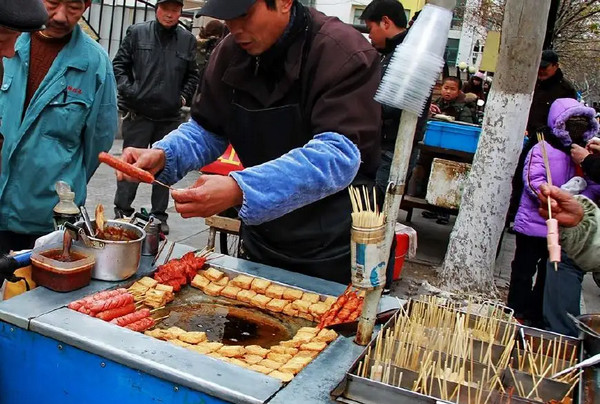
470 258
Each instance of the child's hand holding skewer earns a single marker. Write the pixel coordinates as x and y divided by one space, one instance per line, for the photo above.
565 208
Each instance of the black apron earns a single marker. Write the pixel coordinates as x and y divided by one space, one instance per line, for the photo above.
313 240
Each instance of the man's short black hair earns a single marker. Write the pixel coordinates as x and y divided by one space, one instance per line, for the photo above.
392 9
454 79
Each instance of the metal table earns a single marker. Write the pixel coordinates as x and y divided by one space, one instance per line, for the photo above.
50 354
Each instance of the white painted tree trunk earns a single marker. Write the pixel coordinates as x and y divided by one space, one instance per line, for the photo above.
471 254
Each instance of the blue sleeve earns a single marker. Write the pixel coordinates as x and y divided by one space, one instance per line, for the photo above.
325 165
188 148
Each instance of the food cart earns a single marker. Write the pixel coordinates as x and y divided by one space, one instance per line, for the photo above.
51 354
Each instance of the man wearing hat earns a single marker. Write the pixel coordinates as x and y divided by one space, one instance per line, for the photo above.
156 74
17 17
550 86
292 90
58 111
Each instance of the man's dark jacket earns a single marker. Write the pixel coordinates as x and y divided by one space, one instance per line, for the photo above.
546 92
390 115
155 67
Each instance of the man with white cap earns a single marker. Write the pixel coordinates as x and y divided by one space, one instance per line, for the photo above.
292 90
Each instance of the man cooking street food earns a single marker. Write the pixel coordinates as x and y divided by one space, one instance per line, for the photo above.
292 90
58 111
17 17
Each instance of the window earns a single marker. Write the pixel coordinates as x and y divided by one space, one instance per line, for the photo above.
452 51
356 13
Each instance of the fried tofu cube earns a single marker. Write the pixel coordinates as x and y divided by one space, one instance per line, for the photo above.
292 294
289 310
138 289
237 362
200 282
242 281
155 298
283 376
325 335
158 333
275 291
260 285
201 349
318 309
213 274
178 342
193 337
276 305
252 359
230 292
330 300
262 369
166 288
147 281
278 357
306 316
232 351
246 296
257 350
170 296
210 346
260 301
303 337
293 343
271 364
215 355
291 367
223 281
307 354
176 331
308 330
311 297
313 346
212 289
301 305
303 360
291 351
278 349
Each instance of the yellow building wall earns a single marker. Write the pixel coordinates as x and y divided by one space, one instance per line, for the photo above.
413 6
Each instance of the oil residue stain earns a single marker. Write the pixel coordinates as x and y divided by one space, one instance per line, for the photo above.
230 325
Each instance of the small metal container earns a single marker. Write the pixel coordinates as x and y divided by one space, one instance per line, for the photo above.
115 260
150 245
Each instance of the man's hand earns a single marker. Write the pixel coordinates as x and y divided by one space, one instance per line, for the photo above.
578 154
434 109
152 160
209 195
593 145
565 208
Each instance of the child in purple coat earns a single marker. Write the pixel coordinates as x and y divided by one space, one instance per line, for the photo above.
570 123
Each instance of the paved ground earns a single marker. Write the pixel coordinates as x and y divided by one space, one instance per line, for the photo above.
433 238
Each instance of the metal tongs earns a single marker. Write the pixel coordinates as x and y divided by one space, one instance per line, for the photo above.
79 234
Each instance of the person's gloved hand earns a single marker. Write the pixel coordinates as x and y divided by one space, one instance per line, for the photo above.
575 186
565 208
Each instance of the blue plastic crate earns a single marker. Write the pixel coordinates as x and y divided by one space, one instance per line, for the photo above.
452 136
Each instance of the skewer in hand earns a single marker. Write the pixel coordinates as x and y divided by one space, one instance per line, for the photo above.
129 169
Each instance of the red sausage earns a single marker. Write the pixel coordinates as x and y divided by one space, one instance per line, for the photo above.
131 317
108 315
142 325
126 168
112 303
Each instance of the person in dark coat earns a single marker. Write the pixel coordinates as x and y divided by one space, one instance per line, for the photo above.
156 74
292 90
550 86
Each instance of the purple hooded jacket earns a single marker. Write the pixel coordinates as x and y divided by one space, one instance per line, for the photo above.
528 221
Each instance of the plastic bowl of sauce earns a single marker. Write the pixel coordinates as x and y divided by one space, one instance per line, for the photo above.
61 274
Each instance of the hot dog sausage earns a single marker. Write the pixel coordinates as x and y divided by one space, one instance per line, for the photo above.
142 325
126 168
108 315
131 317
111 303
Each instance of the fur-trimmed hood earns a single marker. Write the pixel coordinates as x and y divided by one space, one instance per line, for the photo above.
564 108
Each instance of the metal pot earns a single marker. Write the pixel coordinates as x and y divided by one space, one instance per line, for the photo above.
115 260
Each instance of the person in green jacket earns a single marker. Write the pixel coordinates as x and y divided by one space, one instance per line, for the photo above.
58 110
579 220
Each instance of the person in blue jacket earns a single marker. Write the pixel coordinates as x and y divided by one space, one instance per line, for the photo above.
58 110
292 90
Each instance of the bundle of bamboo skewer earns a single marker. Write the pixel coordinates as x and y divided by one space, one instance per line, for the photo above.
365 215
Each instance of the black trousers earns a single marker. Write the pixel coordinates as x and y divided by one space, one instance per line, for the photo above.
10 241
525 298
142 133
